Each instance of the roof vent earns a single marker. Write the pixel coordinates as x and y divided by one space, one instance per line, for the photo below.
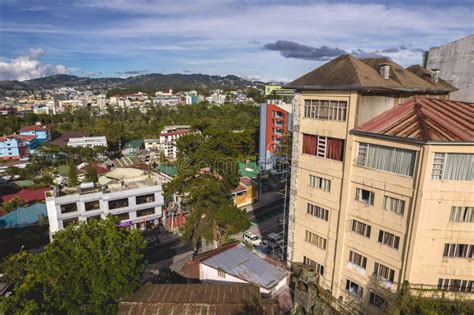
384 70
435 75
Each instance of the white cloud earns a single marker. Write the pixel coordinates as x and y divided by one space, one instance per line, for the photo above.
29 66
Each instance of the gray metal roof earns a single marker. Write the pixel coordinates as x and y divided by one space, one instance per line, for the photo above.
241 263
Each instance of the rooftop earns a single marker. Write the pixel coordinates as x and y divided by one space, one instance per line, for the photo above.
249 169
18 137
425 119
30 195
133 144
63 139
243 264
197 299
23 216
34 128
349 73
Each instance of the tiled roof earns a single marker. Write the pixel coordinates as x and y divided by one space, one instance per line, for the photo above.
215 299
29 195
18 137
350 73
425 74
175 133
33 128
63 139
425 119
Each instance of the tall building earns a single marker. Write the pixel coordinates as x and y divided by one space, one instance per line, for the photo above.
275 123
381 187
168 137
455 64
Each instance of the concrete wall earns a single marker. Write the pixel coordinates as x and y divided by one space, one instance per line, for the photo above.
456 63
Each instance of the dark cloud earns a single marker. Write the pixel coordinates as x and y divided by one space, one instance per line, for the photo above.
289 49
186 71
132 72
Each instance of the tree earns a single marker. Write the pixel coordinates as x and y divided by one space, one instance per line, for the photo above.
13 204
72 173
86 269
91 174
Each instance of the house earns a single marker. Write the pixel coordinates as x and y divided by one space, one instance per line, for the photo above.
239 265
197 299
23 216
245 193
381 172
39 130
17 147
133 147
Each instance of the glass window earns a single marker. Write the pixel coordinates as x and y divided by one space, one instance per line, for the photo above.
365 196
462 214
377 301
318 212
145 199
71 221
458 250
122 216
354 288
118 203
361 228
92 205
320 183
357 259
318 267
70 207
144 212
384 272
389 239
325 110
453 166
393 204
315 239
388 159
323 147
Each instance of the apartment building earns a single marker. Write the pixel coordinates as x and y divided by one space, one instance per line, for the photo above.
168 137
381 187
134 197
275 123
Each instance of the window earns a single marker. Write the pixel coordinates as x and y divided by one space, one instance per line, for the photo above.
220 273
364 196
377 300
461 214
353 288
316 240
71 221
393 204
320 183
318 212
122 216
323 109
455 285
318 267
361 228
323 147
145 199
67 208
389 239
458 250
453 166
388 159
144 212
92 205
384 272
357 259
118 203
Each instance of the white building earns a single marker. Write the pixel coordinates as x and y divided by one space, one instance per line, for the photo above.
135 198
168 137
87 142
152 144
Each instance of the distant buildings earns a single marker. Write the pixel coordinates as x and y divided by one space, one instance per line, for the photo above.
87 142
17 147
454 62
381 187
127 193
168 137
275 123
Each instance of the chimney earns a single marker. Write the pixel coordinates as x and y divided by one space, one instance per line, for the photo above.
384 70
435 75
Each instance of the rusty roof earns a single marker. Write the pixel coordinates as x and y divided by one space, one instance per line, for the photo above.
197 299
349 73
426 74
425 119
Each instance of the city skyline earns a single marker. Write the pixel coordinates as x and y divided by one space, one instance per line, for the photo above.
122 38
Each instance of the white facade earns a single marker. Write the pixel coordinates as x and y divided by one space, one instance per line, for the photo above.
87 142
151 144
169 136
138 206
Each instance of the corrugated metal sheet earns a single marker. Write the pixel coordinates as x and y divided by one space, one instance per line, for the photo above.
425 119
241 263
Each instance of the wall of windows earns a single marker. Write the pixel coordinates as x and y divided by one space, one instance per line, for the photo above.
144 212
118 203
354 288
388 159
323 147
317 211
67 208
393 204
453 166
389 239
384 272
458 250
325 109
320 183
361 228
462 214
365 196
357 259
315 240
377 300
455 285
145 199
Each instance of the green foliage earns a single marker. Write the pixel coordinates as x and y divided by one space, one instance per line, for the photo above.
13 204
72 173
91 175
85 270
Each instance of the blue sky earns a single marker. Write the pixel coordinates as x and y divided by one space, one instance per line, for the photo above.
270 40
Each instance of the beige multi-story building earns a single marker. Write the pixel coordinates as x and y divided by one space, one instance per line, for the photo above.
382 181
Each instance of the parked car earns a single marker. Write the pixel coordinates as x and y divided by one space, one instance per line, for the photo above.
275 238
251 238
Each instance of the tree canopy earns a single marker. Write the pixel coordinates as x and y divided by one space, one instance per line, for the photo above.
85 270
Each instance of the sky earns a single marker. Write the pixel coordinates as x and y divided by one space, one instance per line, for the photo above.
271 40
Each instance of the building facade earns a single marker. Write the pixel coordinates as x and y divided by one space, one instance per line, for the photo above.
364 206
137 207
168 137
87 142
40 131
17 147
275 123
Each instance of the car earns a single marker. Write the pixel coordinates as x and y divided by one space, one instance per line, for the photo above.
251 238
275 238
